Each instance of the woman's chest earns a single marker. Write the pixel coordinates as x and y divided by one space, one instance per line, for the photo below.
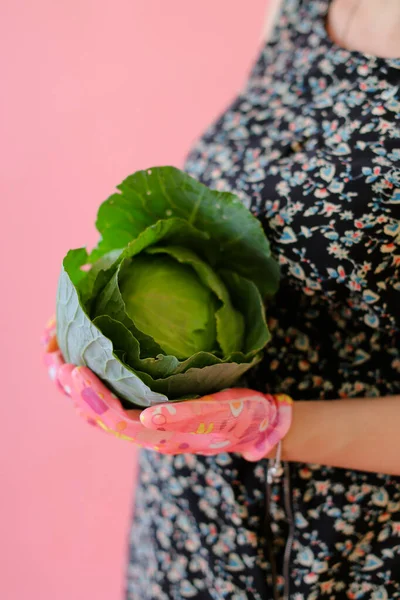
319 163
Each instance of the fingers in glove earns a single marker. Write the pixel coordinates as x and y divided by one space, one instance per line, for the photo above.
99 405
236 413
173 442
49 335
102 409
53 361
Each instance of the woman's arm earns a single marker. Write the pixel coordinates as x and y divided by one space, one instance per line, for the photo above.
357 433
271 16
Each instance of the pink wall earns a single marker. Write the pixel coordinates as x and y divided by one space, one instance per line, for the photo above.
91 91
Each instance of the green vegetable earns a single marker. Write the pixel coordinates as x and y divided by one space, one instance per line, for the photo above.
172 305
167 301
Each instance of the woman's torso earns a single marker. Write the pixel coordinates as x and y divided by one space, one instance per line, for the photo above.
312 146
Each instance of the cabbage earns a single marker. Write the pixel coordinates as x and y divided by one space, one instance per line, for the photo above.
171 302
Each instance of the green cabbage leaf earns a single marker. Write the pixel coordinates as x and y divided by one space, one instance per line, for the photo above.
172 302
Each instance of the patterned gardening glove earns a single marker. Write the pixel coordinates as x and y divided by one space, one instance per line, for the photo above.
234 420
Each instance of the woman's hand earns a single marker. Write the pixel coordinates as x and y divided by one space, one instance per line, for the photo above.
234 420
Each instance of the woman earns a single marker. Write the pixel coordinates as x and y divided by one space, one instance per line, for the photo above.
312 147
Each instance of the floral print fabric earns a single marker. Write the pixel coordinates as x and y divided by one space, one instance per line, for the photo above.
312 146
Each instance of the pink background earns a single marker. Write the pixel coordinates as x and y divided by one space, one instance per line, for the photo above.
91 91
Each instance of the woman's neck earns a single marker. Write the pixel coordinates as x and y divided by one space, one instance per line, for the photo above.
368 26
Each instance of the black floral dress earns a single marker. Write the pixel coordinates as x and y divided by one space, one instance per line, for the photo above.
312 146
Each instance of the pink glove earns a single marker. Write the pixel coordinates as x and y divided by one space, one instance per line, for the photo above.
234 420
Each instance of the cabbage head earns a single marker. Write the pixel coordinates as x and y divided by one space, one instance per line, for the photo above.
171 303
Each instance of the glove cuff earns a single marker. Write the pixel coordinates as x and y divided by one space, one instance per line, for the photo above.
280 424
